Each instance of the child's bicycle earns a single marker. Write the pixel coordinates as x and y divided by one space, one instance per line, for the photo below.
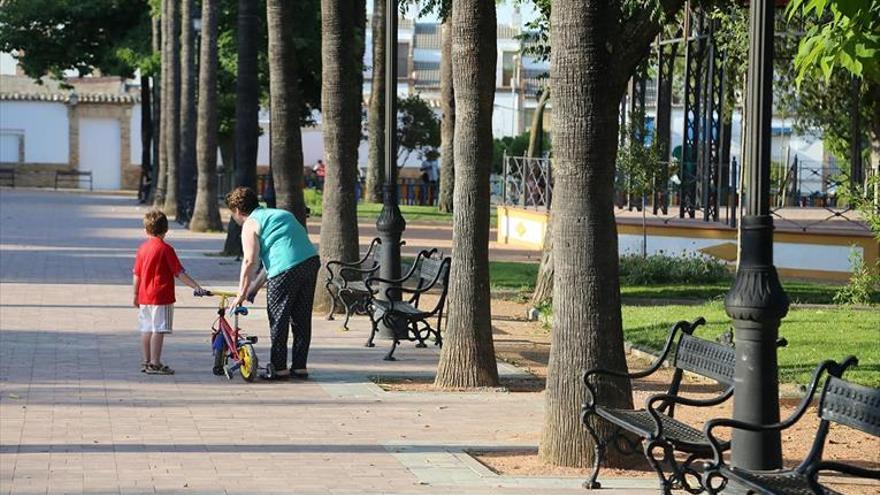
229 343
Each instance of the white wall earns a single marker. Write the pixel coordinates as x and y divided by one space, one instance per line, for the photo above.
7 64
45 127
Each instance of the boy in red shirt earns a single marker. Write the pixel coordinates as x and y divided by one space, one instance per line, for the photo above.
155 267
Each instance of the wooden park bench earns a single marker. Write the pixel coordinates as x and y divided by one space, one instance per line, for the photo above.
7 176
660 433
76 175
345 282
840 402
405 318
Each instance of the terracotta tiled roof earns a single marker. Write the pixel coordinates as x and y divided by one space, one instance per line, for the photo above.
88 90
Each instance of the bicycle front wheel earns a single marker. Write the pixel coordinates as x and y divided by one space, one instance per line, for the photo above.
248 368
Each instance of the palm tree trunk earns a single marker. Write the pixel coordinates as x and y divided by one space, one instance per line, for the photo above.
157 106
537 128
187 107
341 110
587 329
146 136
544 285
447 124
285 135
206 214
247 108
172 105
247 95
376 114
468 356
161 179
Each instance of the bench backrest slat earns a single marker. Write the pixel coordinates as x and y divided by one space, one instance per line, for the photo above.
430 269
706 358
852 405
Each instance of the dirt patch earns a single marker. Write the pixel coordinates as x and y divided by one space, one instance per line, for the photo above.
531 384
527 463
526 345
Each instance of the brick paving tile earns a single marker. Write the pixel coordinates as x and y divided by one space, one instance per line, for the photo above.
77 415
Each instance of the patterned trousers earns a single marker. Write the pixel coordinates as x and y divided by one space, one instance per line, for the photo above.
289 302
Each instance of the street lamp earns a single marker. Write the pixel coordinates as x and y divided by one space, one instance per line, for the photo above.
757 302
514 82
390 223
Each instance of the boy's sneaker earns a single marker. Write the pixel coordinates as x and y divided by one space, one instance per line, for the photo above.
144 366
159 369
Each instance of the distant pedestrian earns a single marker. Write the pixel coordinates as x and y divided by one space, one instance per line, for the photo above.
430 175
320 173
155 267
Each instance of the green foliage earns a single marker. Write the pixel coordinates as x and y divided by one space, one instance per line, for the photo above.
863 200
418 127
637 163
864 284
665 269
51 36
513 146
846 36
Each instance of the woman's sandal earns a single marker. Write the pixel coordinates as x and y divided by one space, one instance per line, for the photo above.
159 369
269 374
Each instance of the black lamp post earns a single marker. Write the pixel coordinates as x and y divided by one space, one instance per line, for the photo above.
390 223
757 301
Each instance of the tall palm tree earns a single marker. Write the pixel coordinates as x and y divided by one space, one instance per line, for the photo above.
376 113
468 356
447 125
247 108
284 105
171 42
187 165
247 93
161 179
597 45
341 112
158 86
206 214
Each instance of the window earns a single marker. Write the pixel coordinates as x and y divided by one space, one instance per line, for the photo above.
508 67
402 60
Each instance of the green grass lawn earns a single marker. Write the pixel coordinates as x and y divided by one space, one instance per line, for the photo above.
813 335
412 213
521 276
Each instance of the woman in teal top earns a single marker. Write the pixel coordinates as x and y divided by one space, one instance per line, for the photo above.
290 262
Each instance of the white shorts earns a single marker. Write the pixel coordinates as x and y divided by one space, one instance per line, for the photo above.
156 319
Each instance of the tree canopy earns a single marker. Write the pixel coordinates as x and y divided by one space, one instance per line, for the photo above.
52 36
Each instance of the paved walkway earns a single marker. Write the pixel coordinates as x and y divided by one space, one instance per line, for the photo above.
76 415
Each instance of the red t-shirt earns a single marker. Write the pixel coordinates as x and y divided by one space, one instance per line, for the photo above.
156 265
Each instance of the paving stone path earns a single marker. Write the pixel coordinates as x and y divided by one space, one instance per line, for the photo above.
77 416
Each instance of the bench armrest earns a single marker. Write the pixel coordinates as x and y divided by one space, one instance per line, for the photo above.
680 326
833 369
839 467
362 271
685 401
354 264
397 282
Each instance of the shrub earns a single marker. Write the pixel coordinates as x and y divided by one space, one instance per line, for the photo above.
665 269
863 285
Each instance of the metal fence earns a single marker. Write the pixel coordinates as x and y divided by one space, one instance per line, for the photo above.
805 194
527 182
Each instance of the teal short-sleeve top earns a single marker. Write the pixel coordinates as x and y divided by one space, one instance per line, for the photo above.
284 242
